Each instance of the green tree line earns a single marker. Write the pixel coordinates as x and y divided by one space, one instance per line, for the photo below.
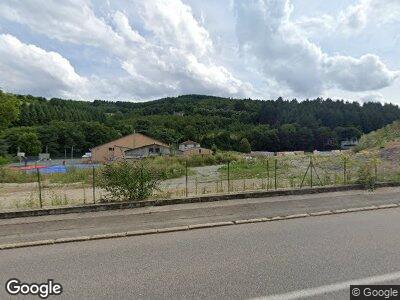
33 124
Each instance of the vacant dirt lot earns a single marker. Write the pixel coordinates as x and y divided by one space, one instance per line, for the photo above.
205 180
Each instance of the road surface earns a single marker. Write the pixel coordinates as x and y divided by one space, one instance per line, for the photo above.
84 224
315 256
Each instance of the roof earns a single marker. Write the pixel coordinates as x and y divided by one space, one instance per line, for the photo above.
144 146
133 136
188 142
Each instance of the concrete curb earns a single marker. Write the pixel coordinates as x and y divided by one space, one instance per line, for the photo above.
191 227
197 199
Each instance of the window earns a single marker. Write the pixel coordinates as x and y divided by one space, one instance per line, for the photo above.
151 150
199 150
157 150
110 149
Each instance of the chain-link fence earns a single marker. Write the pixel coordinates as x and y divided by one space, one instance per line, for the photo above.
38 186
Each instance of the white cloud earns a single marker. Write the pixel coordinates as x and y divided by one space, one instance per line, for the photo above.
371 97
162 48
356 17
366 73
353 19
30 69
123 27
174 56
266 32
173 25
313 26
67 21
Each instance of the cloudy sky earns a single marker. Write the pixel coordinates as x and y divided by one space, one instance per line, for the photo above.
141 50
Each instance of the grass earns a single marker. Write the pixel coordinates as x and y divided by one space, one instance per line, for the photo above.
73 175
245 174
328 170
8 175
4 160
168 166
256 168
380 137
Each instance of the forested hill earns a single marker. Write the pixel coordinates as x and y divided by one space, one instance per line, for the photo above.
34 123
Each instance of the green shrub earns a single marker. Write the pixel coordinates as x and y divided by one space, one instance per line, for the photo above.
4 160
366 175
15 176
129 181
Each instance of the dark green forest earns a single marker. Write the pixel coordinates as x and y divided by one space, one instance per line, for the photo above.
33 124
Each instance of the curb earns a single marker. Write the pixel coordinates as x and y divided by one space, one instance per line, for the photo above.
197 199
191 227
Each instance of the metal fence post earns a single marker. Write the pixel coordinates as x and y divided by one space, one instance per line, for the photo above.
229 184
311 170
275 175
186 179
345 171
141 179
40 188
376 170
94 185
267 174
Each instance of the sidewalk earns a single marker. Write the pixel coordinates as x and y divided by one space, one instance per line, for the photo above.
83 224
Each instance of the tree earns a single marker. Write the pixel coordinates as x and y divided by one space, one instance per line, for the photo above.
324 139
214 149
287 136
20 137
346 133
263 138
272 125
3 147
9 109
129 181
244 146
29 143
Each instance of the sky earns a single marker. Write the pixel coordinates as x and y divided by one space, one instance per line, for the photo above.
261 49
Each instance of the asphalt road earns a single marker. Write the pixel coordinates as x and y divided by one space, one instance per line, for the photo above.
308 257
73 225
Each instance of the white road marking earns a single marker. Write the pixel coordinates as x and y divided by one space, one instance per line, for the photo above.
325 289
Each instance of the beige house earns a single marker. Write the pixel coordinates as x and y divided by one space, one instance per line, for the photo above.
135 145
197 151
188 145
193 148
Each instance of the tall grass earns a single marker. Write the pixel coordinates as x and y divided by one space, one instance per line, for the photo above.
8 175
379 138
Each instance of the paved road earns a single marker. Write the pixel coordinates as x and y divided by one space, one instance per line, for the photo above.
72 225
309 256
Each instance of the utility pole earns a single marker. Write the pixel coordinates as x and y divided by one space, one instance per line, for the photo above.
72 152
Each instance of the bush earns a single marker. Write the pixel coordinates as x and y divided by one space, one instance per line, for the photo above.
4 160
366 176
129 181
15 176
244 146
